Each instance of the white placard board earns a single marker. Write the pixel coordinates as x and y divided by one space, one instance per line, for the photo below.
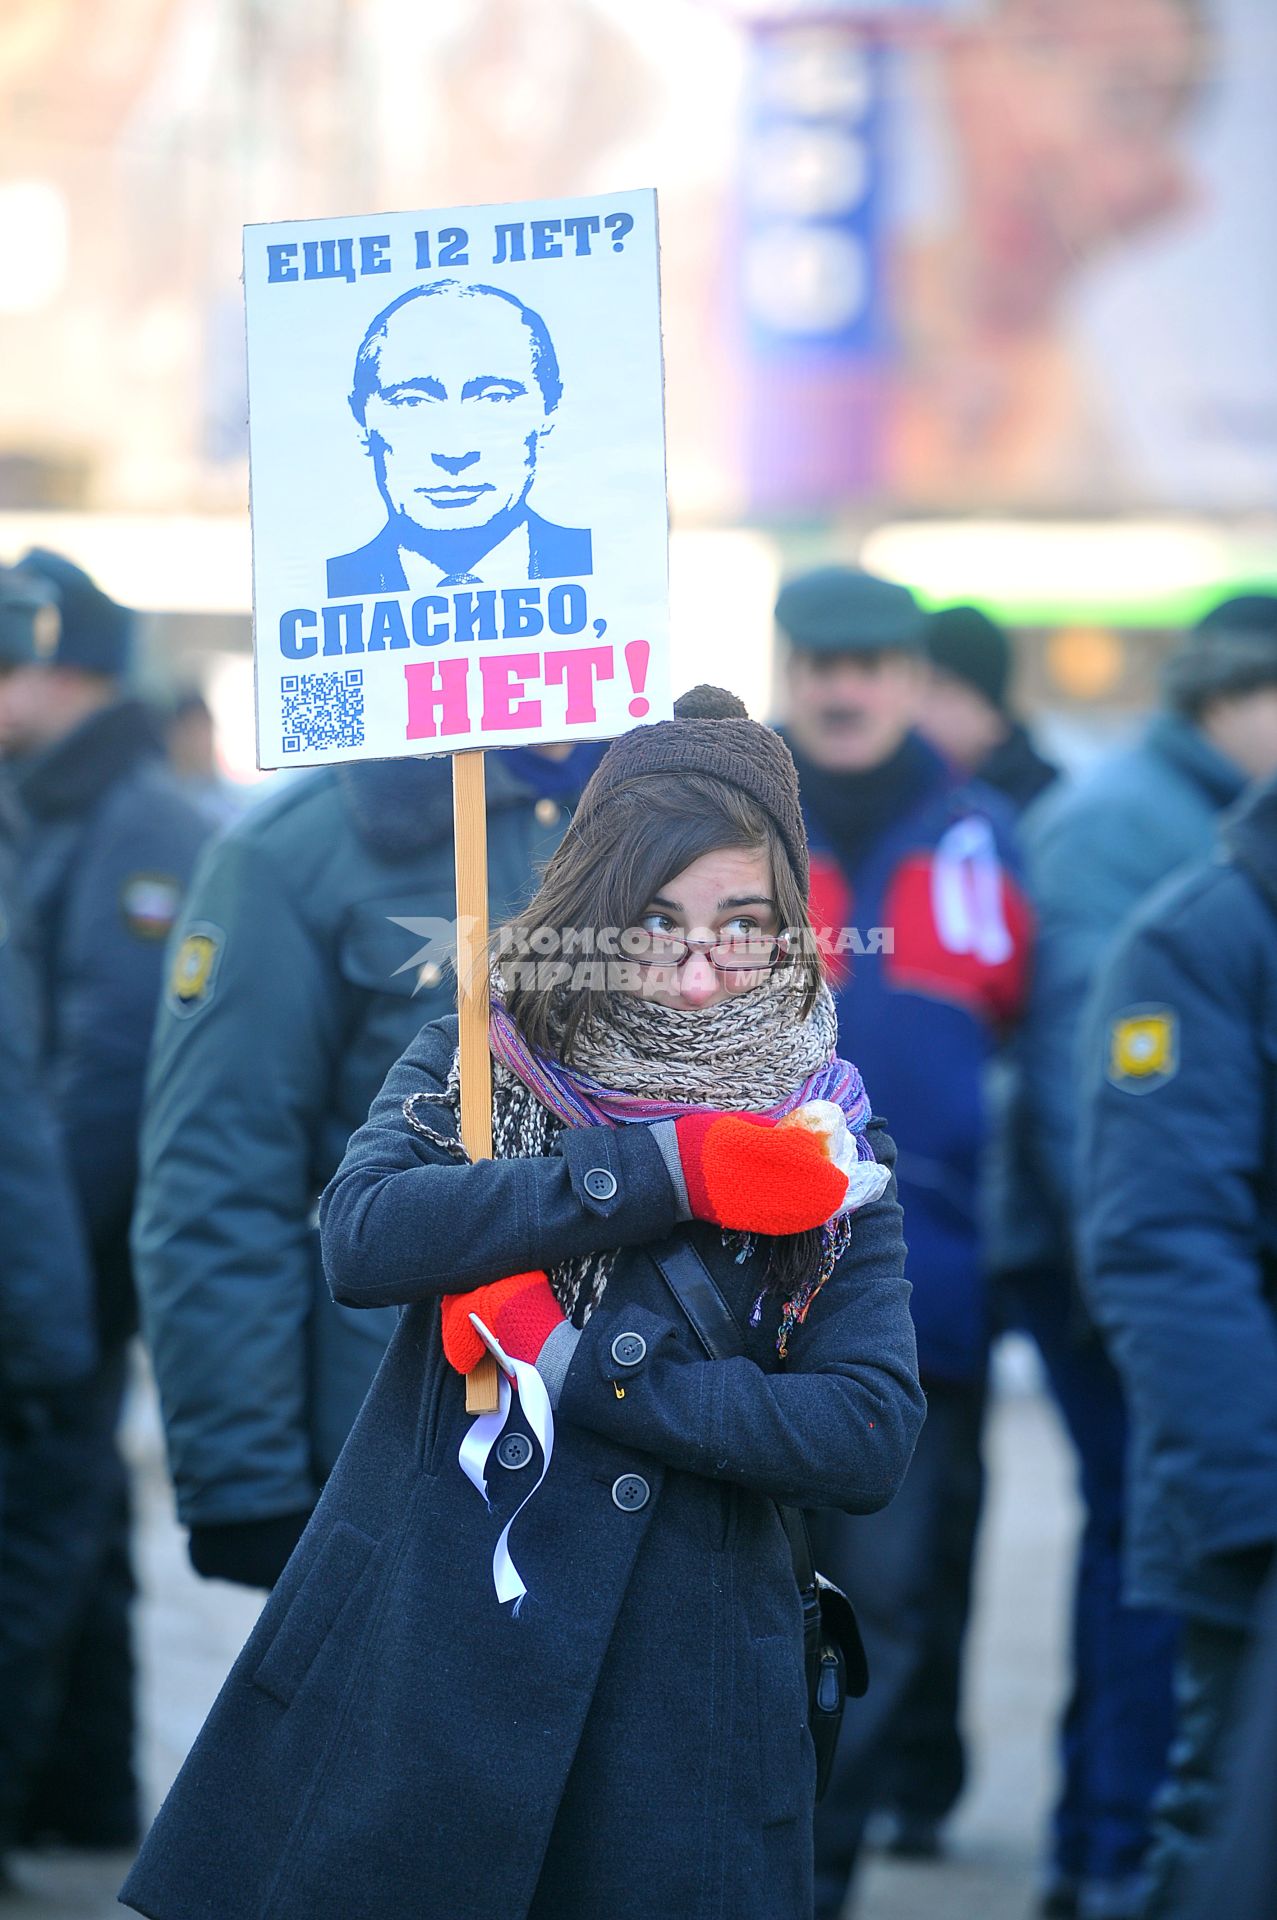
457 451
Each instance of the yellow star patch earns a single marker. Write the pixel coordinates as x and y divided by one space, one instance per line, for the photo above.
1143 1048
194 970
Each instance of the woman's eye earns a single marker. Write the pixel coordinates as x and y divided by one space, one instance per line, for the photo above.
656 923
740 927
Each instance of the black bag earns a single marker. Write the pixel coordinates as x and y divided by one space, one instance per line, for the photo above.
833 1648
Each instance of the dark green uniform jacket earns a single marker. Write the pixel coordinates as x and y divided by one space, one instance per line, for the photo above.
293 987
1178 1206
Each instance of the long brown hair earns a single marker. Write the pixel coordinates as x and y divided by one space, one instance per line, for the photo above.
610 863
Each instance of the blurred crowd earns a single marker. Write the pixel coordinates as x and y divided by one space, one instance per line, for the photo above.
1062 993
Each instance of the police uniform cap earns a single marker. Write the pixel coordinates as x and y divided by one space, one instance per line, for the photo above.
1231 651
28 619
96 632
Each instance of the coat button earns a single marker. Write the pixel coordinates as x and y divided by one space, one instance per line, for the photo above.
430 974
514 1451
628 1349
631 1492
547 811
600 1183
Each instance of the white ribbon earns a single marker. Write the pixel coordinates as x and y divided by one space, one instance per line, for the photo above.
480 1440
482 1437
966 893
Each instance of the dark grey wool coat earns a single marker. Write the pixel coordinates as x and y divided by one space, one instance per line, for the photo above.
392 1741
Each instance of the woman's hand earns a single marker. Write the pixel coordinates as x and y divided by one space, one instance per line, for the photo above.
747 1172
521 1311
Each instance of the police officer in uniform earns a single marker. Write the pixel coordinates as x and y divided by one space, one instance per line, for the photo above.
315 942
1093 851
1178 1218
47 1345
108 848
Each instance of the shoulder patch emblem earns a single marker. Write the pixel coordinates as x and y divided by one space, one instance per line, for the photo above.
149 903
1143 1048
194 972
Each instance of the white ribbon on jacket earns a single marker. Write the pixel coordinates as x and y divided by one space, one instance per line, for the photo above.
482 1437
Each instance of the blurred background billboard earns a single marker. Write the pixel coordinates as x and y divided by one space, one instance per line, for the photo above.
1018 255
983 292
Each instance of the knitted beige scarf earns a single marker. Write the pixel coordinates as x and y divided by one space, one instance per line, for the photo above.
742 1054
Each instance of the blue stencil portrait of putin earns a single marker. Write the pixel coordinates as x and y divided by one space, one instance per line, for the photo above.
454 392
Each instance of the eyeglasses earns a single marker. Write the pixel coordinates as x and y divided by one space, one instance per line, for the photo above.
749 953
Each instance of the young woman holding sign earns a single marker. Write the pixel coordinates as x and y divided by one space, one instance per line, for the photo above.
582 1694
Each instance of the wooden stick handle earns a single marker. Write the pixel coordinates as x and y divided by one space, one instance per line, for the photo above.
470 841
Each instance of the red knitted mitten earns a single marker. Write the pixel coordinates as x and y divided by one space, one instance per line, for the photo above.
521 1310
744 1171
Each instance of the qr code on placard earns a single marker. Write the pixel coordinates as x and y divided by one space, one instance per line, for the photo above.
322 711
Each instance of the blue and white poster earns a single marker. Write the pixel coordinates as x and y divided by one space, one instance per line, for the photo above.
457 452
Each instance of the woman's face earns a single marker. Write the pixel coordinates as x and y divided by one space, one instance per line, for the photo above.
723 900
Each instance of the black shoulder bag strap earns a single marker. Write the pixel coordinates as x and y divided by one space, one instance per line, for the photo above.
836 1663
718 1330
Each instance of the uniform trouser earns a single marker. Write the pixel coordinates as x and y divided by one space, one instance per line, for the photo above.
908 1571
1118 1720
1238 1880
1188 1812
66 1665
925 1768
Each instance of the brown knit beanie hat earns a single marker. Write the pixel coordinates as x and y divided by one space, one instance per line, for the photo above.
712 734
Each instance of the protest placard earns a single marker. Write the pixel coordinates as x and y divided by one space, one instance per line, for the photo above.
458 479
